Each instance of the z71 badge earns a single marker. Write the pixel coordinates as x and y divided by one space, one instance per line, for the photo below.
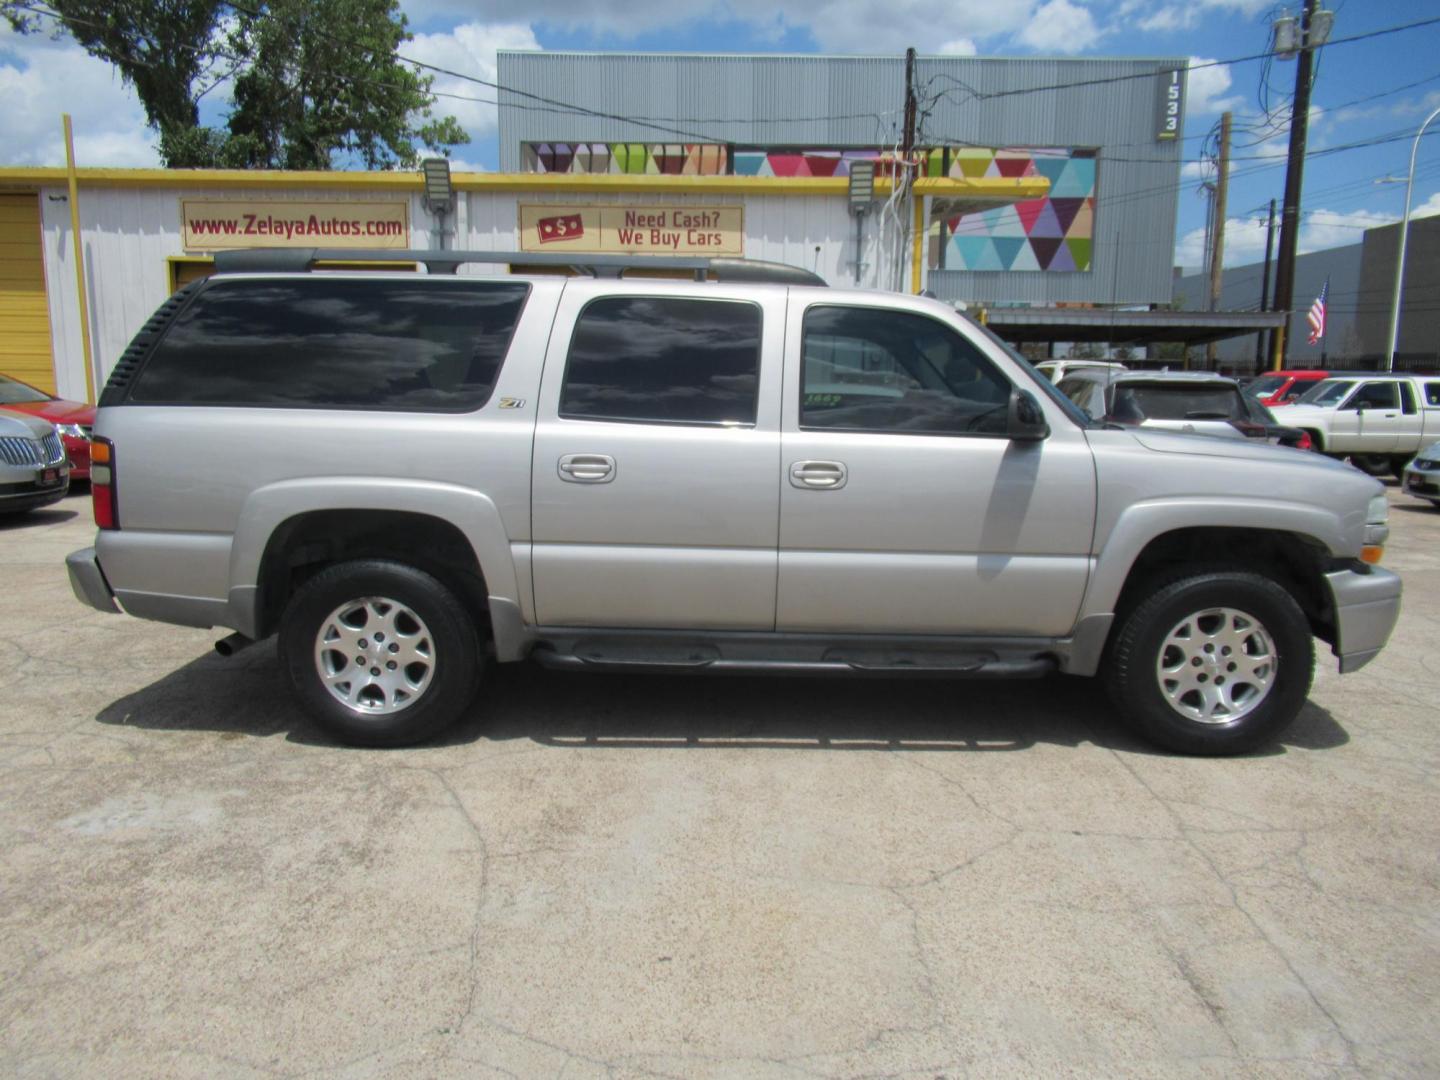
512 403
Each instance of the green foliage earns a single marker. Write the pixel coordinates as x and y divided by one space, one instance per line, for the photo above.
310 80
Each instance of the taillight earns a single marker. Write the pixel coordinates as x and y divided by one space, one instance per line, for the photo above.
1304 442
102 483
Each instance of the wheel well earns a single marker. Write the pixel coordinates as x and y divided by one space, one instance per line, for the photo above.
1296 562
302 546
1317 437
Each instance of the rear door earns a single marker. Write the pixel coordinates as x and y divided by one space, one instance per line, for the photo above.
905 509
656 455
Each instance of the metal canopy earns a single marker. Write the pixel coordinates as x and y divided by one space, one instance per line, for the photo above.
1025 325
301 260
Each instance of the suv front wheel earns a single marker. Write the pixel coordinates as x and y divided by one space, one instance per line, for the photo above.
380 653
1212 663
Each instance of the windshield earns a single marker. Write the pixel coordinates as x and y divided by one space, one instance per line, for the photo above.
1326 392
17 393
1178 402
1266 385
1046 386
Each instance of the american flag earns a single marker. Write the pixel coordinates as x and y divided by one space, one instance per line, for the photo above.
1316 316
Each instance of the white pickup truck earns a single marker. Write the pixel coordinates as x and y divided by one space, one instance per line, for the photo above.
1379 422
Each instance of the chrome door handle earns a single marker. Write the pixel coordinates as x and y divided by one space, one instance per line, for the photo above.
822 475
587 468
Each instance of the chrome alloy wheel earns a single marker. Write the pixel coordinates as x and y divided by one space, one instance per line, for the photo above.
375 656
1216 665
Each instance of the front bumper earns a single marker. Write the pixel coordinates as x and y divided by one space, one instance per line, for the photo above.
1366 608
1424 483
88 581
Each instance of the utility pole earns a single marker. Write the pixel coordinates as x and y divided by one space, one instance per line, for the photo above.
1265 291
1217 252
907 151
1294 180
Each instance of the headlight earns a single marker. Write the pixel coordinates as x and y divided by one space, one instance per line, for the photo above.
73 431
1376 530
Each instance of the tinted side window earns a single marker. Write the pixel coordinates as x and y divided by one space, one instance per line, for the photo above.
666 360
868 369
1407 398
336 343
1432 393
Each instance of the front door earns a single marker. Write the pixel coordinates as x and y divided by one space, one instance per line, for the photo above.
904 508
656 451
1378 421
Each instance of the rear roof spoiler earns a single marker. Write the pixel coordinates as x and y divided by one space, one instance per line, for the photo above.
302 260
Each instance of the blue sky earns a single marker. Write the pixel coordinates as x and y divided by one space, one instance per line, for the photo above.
1361 92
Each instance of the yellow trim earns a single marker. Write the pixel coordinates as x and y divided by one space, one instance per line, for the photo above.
917 243
1009 189
74 187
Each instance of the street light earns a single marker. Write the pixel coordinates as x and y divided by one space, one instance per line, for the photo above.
1400 258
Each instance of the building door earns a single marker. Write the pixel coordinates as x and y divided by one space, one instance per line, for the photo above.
904 508
654 486
25 351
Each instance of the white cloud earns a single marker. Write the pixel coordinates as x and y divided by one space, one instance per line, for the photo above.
1060 26
1428 208
469 48
1319 230
958 47
1206 87
41 78
1172 17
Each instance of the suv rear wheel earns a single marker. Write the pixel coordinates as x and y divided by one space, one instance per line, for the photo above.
1212 663
380 653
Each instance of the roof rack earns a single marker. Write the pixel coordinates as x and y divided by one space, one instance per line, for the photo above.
301 260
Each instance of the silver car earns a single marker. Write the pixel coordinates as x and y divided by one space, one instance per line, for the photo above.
33 469
1422 476
1193 402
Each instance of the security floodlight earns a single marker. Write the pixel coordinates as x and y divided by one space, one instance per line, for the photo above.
862 185
439 194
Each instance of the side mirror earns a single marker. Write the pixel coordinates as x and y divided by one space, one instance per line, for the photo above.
1026 420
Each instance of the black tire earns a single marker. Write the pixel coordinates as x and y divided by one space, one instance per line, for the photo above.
1372 464
1398 463
438 624
1136 650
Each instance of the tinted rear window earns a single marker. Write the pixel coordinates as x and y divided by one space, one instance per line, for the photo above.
664 360
1179 402
336 343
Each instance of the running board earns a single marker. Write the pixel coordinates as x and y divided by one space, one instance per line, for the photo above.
786 655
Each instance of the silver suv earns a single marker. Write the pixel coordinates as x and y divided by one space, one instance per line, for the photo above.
405 474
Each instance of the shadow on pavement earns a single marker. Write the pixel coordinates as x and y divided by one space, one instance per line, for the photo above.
247 695
30 519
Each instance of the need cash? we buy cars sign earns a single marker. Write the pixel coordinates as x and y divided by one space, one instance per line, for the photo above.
212 225
661 230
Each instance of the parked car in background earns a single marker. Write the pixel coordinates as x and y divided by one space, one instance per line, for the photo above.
1282 387
72 419
1378 421
1055 370
1422 476
1194 402
33 470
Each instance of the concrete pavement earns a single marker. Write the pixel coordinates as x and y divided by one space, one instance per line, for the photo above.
631 877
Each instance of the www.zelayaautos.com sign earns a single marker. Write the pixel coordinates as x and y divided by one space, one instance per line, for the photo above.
211 225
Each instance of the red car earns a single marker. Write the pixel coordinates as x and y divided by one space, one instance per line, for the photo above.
1283 387
73 419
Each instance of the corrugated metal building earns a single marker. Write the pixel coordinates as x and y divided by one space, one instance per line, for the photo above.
1097 129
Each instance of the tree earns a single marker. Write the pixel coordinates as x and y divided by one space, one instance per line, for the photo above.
310 79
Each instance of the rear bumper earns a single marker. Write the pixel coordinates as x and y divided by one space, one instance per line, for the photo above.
88 581
1366 608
